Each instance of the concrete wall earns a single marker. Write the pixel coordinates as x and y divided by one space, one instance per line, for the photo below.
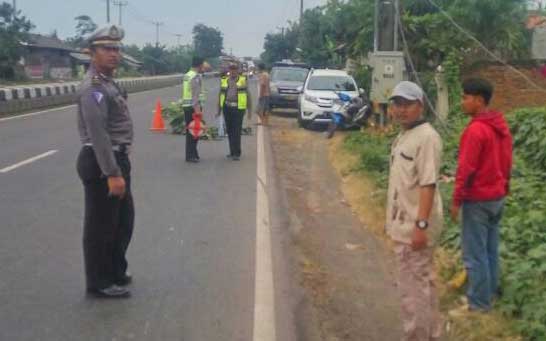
33 97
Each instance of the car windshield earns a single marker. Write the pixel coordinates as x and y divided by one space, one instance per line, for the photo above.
331 83
289 74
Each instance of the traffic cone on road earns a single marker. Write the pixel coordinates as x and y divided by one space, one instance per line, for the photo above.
158 124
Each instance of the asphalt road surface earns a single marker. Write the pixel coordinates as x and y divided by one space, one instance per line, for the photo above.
193 256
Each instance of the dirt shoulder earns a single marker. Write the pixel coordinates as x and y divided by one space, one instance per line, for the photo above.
346 271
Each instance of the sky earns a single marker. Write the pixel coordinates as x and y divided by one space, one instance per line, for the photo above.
244 23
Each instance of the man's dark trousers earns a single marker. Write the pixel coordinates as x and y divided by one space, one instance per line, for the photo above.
234 125
191 142
108 222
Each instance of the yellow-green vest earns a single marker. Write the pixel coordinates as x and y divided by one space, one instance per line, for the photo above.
186 89
242 100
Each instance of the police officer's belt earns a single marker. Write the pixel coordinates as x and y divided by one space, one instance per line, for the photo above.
121 148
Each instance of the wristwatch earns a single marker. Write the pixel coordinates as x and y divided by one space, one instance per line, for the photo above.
422 224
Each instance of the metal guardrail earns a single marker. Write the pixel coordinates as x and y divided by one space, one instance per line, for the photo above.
30 97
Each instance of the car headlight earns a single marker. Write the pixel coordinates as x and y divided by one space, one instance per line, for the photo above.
273 88
311 99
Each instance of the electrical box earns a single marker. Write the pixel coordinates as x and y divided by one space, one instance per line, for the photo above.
389 69
539 43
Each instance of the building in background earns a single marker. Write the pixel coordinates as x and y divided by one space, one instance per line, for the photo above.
48 57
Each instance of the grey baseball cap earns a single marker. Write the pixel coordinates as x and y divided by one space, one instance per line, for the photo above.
408 90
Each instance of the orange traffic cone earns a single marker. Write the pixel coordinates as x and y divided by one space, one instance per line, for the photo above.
158 124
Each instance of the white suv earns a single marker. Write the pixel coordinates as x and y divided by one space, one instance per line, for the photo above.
319 93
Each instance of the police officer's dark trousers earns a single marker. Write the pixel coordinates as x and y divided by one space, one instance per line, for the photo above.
234 126
191 142
108 221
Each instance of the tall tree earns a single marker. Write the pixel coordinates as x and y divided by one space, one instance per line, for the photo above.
84 26
278 46
208 41
14 29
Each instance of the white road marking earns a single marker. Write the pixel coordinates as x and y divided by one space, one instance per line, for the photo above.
26 162
264 300
35 113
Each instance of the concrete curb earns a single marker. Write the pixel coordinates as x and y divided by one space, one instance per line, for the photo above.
31 97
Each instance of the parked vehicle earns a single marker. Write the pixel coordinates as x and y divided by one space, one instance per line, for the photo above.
319 95
286 78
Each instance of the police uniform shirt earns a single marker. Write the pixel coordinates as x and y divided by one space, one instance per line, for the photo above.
196 88
103 119
231 92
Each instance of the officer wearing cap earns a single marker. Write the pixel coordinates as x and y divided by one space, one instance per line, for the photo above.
234 104
192 102
106 133
414 211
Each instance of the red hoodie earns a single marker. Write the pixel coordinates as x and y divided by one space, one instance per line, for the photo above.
485 159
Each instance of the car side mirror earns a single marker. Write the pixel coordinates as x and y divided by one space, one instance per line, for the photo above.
300 89
361 91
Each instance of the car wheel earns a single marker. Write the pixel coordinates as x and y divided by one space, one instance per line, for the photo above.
301 122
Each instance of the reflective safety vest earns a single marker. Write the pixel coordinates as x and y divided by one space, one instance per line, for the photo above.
186 89
242 100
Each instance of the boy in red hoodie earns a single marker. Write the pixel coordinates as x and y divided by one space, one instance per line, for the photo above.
482 182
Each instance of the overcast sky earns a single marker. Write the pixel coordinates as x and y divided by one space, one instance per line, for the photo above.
243 22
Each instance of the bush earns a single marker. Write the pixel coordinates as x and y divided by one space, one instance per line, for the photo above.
523 235
174 113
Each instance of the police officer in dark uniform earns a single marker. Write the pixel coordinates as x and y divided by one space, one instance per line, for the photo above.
106 132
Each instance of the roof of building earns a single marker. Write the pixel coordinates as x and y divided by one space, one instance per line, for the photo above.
47 42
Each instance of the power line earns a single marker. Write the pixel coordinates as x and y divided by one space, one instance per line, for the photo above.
108 11
157 25
480 44
414 70
137 15
120 5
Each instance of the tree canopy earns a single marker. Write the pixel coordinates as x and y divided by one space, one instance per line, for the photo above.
13 30
208 41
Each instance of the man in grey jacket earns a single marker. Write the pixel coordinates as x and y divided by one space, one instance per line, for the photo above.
106 134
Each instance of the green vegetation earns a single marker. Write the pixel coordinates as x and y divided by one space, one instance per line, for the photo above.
523 246
329 35
14 28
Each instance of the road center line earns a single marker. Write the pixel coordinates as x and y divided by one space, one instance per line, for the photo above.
264 300
16 117
26 162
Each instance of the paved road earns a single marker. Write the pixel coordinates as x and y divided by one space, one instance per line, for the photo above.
193 252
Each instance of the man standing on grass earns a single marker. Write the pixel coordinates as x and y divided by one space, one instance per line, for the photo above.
481 183
414 212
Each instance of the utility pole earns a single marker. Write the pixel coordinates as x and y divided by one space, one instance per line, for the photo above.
386 25
301 11
157 25
386 61
108 11
178 36
14 6
120 5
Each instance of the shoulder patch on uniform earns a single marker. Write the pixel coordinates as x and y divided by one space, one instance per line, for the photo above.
98 96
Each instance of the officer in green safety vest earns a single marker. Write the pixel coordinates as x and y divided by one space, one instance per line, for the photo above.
234 102
192 102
